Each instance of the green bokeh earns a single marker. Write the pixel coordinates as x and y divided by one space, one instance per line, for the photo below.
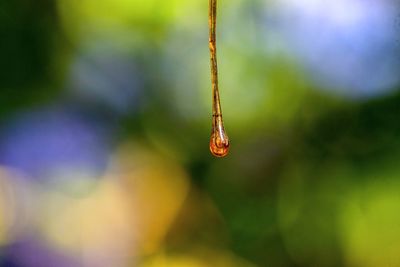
312 178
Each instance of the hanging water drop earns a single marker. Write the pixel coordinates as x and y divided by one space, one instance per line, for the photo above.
219 141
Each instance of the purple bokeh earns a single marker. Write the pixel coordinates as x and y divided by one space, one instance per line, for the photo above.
351 47
35 253
43 142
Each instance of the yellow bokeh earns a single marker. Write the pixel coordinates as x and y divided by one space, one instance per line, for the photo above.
124 216
3 203
158 187
199 257
98 224
13 212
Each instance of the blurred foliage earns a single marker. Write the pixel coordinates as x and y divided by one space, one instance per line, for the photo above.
105 119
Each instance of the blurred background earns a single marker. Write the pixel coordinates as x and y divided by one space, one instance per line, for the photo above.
105 118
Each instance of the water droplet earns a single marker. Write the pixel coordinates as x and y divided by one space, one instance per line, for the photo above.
219 141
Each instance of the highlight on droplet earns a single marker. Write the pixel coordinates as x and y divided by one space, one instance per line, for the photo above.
219 140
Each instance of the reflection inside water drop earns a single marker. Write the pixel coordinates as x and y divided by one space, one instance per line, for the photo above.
219 141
